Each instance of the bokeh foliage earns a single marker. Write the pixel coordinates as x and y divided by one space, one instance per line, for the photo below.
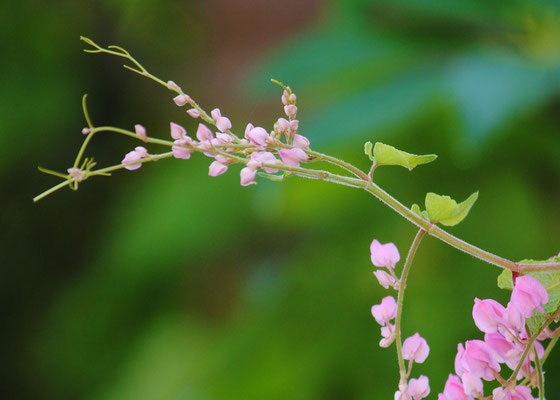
165 283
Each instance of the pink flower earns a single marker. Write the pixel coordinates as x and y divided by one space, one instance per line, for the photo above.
266 157
386 311
520 393
488 315
181 152
285 96
141 132
292 157
528 294
248 176
419 388
501 346
283 125
415 349
258 136
193 112
77 174
402 395
135 155
516 321
217 168
301 141
472 384
182 99
294 125
223 124
480 360
453 389
203 133
385 279
86 131
384 255
172 85
177 131
290 110
216 113
387 332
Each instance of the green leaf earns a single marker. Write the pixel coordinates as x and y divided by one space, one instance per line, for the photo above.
445 210
416 210
388 155
368 146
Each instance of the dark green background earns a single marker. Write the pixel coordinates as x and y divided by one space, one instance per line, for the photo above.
164 283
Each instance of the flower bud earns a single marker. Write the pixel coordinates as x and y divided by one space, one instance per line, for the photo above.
528 294
293 157
419 388
217 168
182 99
193 112
301 141
415 349
386 311
141 132
384 255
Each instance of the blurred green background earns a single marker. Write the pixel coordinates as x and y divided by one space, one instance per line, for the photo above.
164 283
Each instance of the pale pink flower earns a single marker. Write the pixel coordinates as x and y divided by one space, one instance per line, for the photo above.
528 294
266 157
501 346
386 311
180 151
294 125
488 315
454 390
172 85
193 112
460 365
217 168
135 155
292 98
419 388
223 138
285 96
203 133
223 124
216 113
290 110
516 321
141 132
248 176
472 384
415 348
182 99
402 395
77 174
86 131
301 141
292 157
480 360
520 393
177 131
258 136
283 125
384 255
387 332
385 279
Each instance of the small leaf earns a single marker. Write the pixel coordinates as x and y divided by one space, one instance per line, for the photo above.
445 210
368 146
416 210
504 280
388 155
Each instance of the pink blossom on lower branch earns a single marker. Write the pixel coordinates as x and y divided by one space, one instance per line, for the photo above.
415 348
519 393
385 279
217 168
453 390
141 132
419 388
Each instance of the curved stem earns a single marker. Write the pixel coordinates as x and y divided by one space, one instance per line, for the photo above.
539 375
400 300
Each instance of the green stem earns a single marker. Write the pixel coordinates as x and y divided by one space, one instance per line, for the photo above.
539 374
513 376
51 190
400 300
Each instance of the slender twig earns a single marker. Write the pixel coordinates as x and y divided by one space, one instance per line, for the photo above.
400 300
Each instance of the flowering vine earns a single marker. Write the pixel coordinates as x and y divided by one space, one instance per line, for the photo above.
513 335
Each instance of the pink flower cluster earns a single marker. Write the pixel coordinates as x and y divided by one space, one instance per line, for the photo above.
263 150
415 348
505 341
